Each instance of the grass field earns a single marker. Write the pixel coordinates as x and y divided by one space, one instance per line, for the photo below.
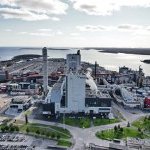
98 122
44 130
61 135
143 123
77 122
64 143
86 122
127 132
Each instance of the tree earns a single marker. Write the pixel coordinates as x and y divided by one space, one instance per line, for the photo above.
17 128
139 129
58 136
26 118
115 128
12 129
27 130
103 132
3 129
6 128
145 118
128 125
53 135
119 126
42 133
121 129
11 125
47 134
37 132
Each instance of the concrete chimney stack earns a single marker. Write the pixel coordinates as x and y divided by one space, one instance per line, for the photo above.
45 70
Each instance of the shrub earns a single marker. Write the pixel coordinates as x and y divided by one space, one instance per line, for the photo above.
58 137
37 132
42 133
12 128
139 129
115 128
17 128
128 125
53 136
121 129
6 128
27 130
3 129
47 134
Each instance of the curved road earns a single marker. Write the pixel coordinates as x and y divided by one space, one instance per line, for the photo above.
82 137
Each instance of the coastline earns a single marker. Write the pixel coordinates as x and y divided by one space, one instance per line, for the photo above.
146 61
135 51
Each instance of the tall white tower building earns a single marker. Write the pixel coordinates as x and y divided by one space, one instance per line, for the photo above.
74 62
45 70
75 92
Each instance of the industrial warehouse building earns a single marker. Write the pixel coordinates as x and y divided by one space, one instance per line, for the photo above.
2 75
76 92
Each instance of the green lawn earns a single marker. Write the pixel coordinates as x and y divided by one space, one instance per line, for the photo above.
143 123
44 130
77 122
64 143
65 131
98 121
86 122
127 132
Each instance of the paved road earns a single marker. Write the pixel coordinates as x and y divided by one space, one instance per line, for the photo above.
86 136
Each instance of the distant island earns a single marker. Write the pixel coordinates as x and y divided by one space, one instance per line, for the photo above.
147 61
39 48
19 58
25 56
138 51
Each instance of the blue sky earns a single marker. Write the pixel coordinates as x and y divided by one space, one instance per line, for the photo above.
75 23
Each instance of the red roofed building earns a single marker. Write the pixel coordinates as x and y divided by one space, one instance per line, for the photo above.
147 102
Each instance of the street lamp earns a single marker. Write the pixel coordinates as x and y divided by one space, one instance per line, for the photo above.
64 120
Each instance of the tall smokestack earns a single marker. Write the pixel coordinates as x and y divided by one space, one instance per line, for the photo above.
95 70
45 70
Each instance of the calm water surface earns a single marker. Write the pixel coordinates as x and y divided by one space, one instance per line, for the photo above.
107 60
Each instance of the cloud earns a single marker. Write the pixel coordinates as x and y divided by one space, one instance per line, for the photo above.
74 34
8 30
59 32
45 30
129 27
32 10
43 34
44 6
78 38
148 28
132 28
55 18
107 7
7 3
10 13
23 32
91 28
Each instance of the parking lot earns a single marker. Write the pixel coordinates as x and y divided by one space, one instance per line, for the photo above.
14 141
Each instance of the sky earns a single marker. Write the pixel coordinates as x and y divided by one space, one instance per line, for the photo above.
75 23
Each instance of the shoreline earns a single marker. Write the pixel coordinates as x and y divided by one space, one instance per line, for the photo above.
146 61
133 51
